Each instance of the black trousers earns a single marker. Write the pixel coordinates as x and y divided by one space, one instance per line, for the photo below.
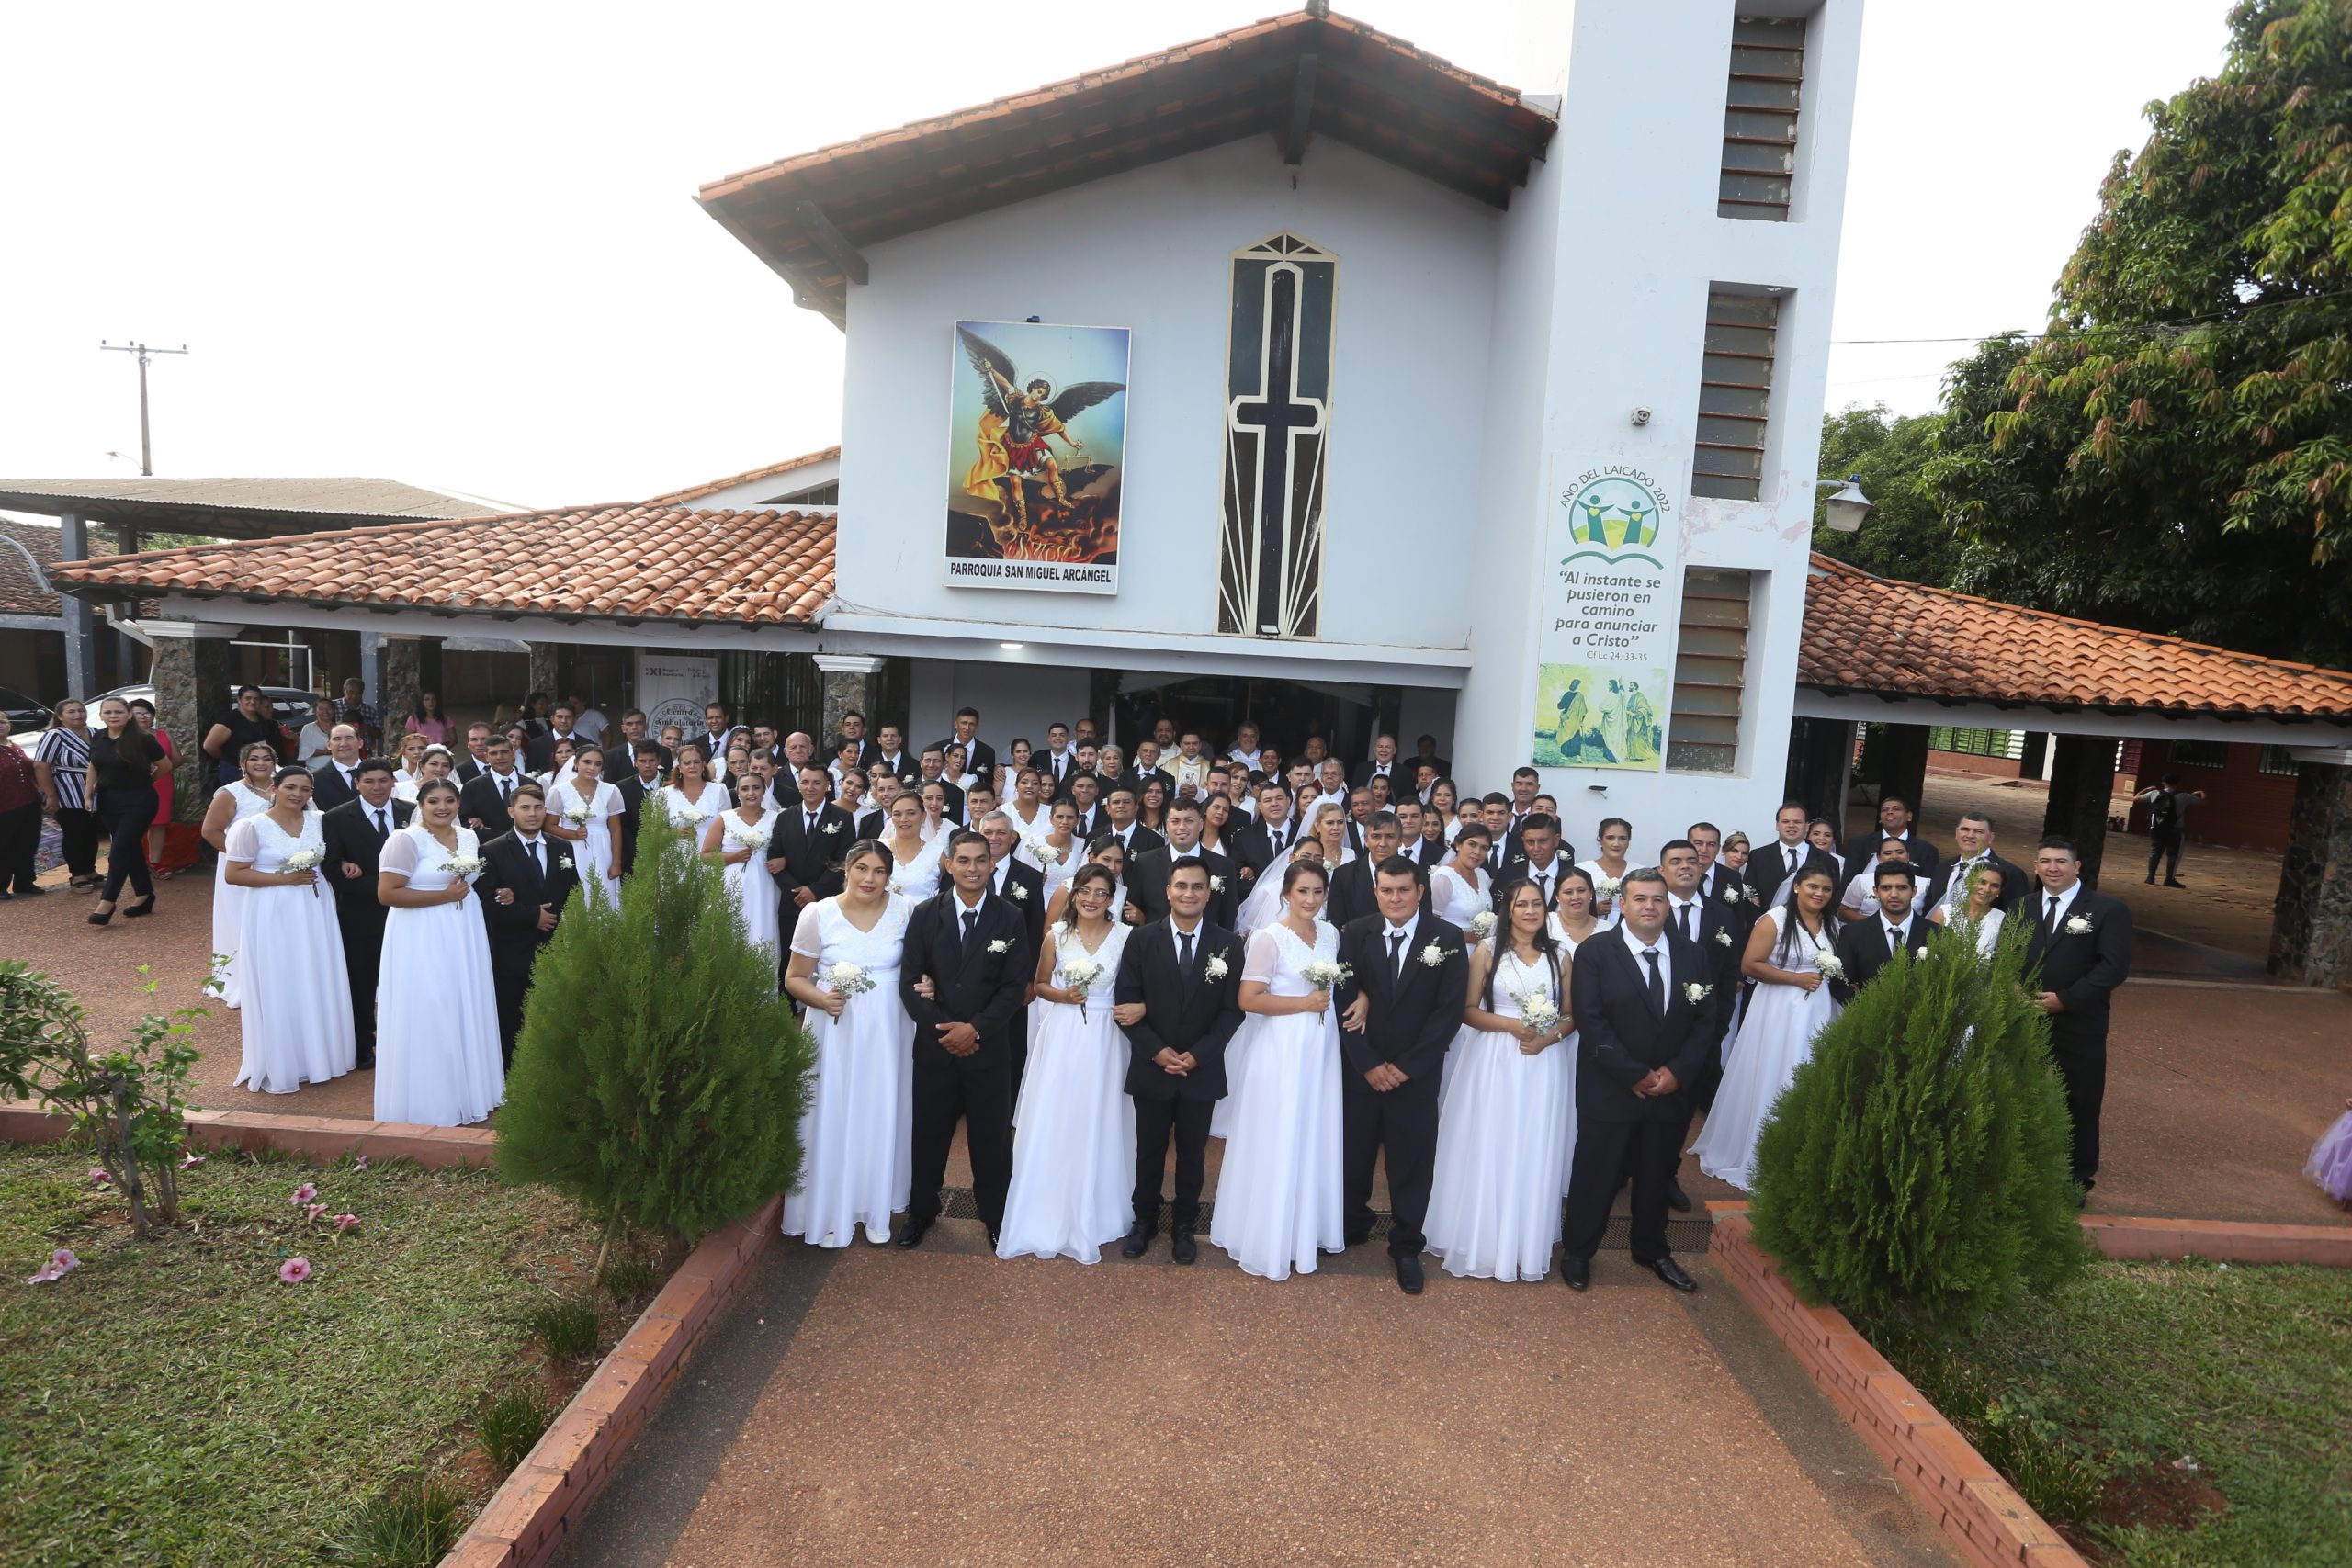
77 832
1401 1125
1187 1121
363 955
20 840
2082 1067
982 1098
2165 847
1605 1152
125 815
510 977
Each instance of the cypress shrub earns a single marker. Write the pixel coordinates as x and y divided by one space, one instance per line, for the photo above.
1918 1166
658 1074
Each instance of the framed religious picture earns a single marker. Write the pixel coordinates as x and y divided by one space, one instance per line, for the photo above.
1036 456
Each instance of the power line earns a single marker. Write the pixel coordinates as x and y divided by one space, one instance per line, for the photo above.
146 457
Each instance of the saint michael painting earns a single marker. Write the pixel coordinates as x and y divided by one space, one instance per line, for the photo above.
1038 424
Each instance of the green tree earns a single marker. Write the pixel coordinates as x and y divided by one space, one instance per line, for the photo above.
658 1074
2176 454
1916 1168
1905 534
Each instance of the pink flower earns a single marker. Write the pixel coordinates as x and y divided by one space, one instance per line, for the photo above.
190 1160
312 1211
359 1164
98 1177
43 1277
63 1261
303 1195
294 1270
344 1222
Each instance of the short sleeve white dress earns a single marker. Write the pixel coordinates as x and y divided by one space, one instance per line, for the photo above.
857 1136
437 1059
1278 1193
296 1019
1074 1163
229 900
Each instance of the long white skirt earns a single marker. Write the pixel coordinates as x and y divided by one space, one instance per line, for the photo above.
228 934
1074 1163
1504 1141
437 1060
857 1136
296 1013
1775 1038
1281 1191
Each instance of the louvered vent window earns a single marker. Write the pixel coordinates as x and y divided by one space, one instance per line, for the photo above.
1734 394
1710 672
1760 118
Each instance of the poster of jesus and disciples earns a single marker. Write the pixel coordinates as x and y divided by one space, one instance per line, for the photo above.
1038 435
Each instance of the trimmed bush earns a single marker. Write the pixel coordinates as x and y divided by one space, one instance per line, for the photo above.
658 1074
1918 1166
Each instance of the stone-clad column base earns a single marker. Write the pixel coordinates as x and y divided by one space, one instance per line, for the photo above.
2311 936
194 667
852 682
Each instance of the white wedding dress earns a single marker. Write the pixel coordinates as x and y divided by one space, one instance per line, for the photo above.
1505 1138
296 1015
1775 1038
1458 902
1280 1192
857 1136
1074 1163
229 900
751 882
592 856
437 1058
693 816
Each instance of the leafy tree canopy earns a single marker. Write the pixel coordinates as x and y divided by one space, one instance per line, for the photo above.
1905 534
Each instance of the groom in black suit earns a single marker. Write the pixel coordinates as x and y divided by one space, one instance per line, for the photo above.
1178 1000
975 948
352 836
1147 873
2081 950
1646 1021
527 878
805 855
1398 1011
1864 946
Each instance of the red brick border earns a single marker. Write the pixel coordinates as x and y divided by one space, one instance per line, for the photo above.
2225 1241
312 1138
530 1517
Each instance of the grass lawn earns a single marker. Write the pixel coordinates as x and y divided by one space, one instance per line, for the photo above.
174 1403
2245 1371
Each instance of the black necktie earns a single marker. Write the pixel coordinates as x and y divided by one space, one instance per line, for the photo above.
1185 938
1396 953
1658 980
971 919
382 831
506 791
2050 915
812 833
1682 919
1893 939
1791 853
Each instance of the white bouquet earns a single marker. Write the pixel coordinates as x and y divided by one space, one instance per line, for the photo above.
304 860
691 819
467 866
847 979
1831 968
1323 973
1482 924
576 816
754 838
1606 888
1045 852
1078 974
1542 1014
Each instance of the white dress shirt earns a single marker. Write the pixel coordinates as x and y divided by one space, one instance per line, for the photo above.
1404 950
1664 959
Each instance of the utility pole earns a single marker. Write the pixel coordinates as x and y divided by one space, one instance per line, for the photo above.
146 454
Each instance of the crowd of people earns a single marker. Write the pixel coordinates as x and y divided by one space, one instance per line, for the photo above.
1087 956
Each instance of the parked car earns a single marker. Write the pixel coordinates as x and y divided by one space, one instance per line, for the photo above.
27 719
293 706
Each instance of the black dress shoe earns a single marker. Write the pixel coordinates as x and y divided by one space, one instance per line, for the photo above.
1138 1241
1667 1269
34 890
1576 1272
1183 1248
131 912
1408 1275
2168 883
363 1061
912 1236
1676 1198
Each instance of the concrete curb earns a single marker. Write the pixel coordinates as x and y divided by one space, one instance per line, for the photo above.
312 1138
530 1517
2225 1241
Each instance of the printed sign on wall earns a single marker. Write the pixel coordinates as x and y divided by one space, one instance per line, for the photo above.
1038 423
1609 619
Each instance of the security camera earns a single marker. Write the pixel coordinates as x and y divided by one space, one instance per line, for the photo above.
1641 413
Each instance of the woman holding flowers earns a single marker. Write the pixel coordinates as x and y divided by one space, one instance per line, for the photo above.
740 839
692 797
914 855
1074 1163
1460 891
1280 1191
582 810
1790 955
437 1009
297 1021
1510 1122
857 1136
1608 868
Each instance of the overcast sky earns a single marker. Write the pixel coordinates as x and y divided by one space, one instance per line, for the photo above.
457 245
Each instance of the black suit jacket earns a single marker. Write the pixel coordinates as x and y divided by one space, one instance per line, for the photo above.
1863 950
1721 941
2083 968
620 757
979 757
1425 853
480 802
1766 870
955 796
514 935
347 835
1183 1009
1147 885
974 985
329 790
813 862
1355 893
467 770
633 793
1255 848
908 767
1400 777
1621 1038
1030 902
1057 783
541 755
2014 884
1862 853
1413 1017
1140 839
1517 866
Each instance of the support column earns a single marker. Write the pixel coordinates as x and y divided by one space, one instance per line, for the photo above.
193 672
1902 766
851 683
81 651
1821 753
2081 781
546 673
397 695
371 667
2310 935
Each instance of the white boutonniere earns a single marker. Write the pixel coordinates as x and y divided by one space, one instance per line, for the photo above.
1732 892
1000 945
1433 955
1017 893
1695 993
1723 938
1750 893
1214 969
830 828
2079 926
1216 883
563 863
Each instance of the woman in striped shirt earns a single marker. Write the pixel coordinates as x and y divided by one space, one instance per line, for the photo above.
63 762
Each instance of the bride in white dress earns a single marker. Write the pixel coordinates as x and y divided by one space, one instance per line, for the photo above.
1508 1129
248 796
1269 897
1791 1005
857 1136
581 809
1981 913
1461 889
1074 1163
296 1019
692 797
914 860
740 838
1278 1194
436 1012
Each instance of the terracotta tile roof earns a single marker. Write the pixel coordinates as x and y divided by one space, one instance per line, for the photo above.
1297 75
1876 635
639 562
749 475
20 593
